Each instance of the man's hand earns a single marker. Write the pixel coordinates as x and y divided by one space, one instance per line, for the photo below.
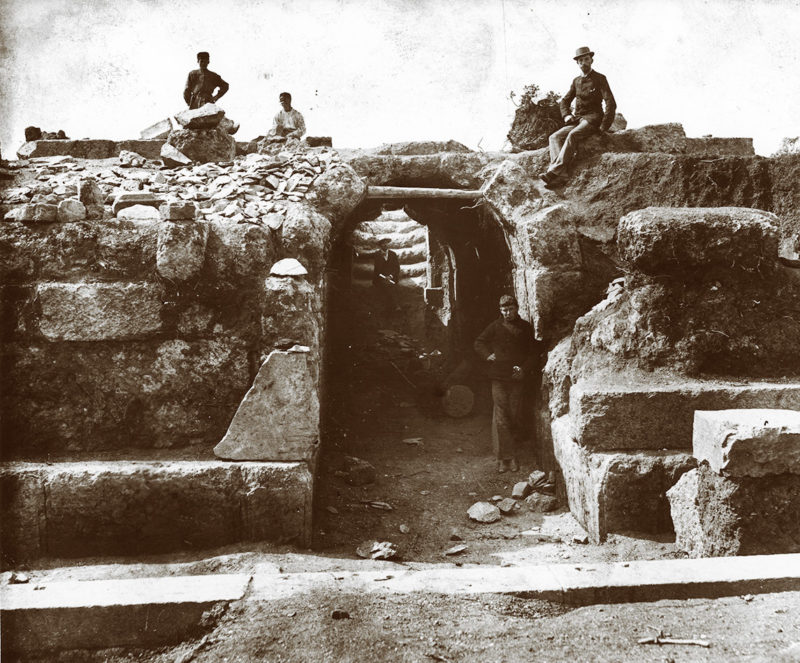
569 119
491 357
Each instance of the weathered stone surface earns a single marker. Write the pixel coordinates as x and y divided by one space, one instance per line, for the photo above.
513 193
210 145
99 311
711 146
158 130
135 507
623 412
669 138
238 253
139 213
71 210
181 249
34 212
422 147
550 299
521 490
89 191
748 442
541 502
660 240
556 380
306 234
124 200
717 516
483 512
289 311
288 267
148 149
111 249
207 116
173 157
549 237
279 416
23 514
337 192
359 472
178 211
128 159
617 492
141 394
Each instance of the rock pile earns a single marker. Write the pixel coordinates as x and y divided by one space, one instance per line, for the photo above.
537 492
205 136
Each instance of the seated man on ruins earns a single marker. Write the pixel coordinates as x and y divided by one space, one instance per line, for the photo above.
590 91
509 347
201 83
288 122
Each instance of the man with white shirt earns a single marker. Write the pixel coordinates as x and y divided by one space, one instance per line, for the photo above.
590 91
287 123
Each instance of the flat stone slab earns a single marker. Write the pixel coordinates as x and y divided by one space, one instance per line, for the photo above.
645 415
124 200
278 419
89 148
748 443
617 491
717 515
99 614
99 311
138 507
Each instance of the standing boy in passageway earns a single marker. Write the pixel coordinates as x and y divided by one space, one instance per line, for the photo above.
590 91
386 275
509 347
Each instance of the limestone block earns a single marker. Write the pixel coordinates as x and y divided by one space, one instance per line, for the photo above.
237 252
99 311
621 412
135 507
337 192
512 193
89 191
748 442
110 396
158 130
716 516
554 297
278 419
306 235
712 146
173 157
22 515
289 311
178 211
149 149
34 212
80 149
617 492
181 249
71 210
125 200
207 116
210 145
659 240
549 237
138 213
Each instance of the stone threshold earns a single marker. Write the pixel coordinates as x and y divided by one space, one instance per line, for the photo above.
41 616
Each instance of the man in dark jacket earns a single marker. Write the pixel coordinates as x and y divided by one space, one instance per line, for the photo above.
386 274
508 344
201 83
590 91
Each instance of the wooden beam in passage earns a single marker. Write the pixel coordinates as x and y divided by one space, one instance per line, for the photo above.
420 192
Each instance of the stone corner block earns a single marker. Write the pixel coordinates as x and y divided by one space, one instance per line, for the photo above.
183 211
748 442
99 311
278 419
181 250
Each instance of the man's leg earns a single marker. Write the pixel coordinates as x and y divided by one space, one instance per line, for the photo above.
502 421
557 139
515 390
574 136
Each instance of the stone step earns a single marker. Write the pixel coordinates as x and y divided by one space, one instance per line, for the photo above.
363 271
44 616
364 241
617 491
131 507
652 415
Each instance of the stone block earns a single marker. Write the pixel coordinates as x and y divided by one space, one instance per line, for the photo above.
549 237
178 211
748 442
238 253
617 492
181 249
207 116
659 240
337 192
23 514
89 191
290 311
125 200
80 149
278 419
158 130
173 157
99 311
71 210
711 146
34 212
135 507
210 145
552 299
717 516
623 413
138 213
305 235
149 149
71 397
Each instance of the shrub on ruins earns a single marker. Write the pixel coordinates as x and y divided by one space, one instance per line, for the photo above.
535 119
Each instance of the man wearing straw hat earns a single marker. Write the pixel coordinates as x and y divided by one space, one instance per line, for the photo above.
590 91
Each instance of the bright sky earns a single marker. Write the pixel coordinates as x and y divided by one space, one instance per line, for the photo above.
373 71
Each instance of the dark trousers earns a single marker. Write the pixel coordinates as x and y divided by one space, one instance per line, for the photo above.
564 143
506 429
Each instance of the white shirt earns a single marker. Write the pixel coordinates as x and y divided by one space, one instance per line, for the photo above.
291 120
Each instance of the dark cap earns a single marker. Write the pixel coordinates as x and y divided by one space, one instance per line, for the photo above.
583 50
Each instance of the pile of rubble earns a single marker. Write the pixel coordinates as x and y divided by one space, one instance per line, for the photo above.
537 492
242 190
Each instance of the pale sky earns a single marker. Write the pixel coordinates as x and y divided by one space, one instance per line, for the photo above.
373 71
